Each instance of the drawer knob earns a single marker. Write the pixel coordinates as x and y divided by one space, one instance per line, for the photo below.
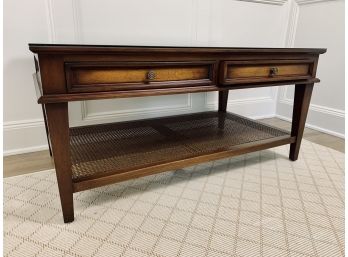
273 71
151 75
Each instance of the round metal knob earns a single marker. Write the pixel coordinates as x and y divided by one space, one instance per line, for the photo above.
273 71
151 75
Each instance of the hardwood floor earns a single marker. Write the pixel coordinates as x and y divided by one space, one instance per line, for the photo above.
27 163
37 161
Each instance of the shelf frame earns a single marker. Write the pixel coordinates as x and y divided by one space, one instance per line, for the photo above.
111 177
218 127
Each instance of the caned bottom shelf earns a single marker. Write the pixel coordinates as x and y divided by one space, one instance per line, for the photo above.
102 154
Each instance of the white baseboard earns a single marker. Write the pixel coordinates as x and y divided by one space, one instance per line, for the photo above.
134 113
25 150
311 126
320 118
254 108
24 136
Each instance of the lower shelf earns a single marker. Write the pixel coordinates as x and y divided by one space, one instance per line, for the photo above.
107 153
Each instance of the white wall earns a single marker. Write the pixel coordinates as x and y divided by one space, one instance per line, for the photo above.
259 23
24 21
320 24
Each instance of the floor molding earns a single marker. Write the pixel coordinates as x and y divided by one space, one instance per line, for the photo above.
321 118
25 150
311 126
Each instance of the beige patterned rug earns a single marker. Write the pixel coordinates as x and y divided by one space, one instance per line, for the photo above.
259 204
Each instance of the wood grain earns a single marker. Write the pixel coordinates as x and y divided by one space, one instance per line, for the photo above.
258 71
113 76
58 126
264 70
71 48
102 76
302 100
58 98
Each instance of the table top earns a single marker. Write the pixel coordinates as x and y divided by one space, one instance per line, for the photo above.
37 47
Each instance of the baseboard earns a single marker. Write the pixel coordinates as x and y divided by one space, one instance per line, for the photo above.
134 113
25 150
254 108
323 119
311 126
24 137
260 117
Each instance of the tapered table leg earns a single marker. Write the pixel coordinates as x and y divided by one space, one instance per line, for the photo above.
46 127
58 126
223 97
303 93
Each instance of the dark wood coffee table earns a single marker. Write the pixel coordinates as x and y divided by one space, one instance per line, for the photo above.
92 156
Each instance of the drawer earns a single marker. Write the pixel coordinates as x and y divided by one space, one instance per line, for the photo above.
113 76
239 72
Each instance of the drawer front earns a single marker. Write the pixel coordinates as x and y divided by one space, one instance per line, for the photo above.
92 77
265 71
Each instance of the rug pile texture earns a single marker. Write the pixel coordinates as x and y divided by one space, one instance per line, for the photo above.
259 204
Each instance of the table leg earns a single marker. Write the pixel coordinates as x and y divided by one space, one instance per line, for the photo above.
46 127
58 126
303 93
223 97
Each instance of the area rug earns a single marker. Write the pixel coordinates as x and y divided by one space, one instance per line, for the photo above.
259 204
